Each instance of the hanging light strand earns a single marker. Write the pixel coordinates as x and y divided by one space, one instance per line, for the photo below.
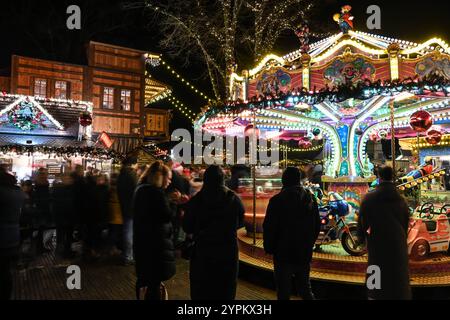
184 81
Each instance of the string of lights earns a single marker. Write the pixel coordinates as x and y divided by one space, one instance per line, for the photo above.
81 151
188 110
184 81
289 149
445 141
181 108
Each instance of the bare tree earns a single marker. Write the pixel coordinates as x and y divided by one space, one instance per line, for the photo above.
271 18
218 31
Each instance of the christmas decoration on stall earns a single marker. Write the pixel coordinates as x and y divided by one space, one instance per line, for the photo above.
105 139
344 19
85 119
25 117
82 151
420 121
434 135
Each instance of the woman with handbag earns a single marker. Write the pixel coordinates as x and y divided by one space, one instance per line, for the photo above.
153 247
212 217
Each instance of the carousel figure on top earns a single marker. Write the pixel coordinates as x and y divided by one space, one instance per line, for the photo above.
344 19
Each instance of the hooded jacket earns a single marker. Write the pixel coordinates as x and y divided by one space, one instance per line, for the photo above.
213 218
291 225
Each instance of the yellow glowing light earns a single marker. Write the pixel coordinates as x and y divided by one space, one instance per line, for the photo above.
394 67
426 44
266 59
347 42
305 78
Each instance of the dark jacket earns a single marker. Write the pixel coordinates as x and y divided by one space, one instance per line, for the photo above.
11 202
291 225
79 194
101 203
386 213
213 218
126 184
153 247
64 205
42 202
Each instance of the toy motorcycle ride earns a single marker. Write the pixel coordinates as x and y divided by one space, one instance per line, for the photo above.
334 225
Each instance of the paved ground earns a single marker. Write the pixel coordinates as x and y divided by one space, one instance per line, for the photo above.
45 279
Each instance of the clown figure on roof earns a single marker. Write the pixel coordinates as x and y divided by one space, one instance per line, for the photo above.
344 19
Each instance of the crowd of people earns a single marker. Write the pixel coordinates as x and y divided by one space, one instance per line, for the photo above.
145 213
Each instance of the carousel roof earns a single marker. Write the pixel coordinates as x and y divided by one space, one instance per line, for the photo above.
372 43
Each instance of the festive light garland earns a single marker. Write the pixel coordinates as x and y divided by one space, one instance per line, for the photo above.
445 141
184 81
188 110
180 107
160 96
289 149
416 182
304 162
92 152
362 91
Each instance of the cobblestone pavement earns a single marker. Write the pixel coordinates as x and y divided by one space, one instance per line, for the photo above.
45 278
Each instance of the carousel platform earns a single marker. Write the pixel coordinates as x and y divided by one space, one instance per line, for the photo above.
333 264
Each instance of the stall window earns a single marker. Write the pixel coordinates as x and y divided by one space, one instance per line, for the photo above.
60 89
125 100
108 98
40 88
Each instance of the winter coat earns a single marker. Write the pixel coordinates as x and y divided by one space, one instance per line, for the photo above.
126 185
101 204
384 212
153 247
291 225
115 213
42 202
90 214
64 205
80 199
11 202
213 218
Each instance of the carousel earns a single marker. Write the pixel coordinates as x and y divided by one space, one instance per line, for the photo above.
350 91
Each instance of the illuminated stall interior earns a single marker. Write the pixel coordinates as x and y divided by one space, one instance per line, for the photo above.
50 133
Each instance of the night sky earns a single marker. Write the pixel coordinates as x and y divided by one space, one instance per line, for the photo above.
38 29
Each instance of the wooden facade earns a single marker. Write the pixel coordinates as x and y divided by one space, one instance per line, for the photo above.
113 80
5 84
123 71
